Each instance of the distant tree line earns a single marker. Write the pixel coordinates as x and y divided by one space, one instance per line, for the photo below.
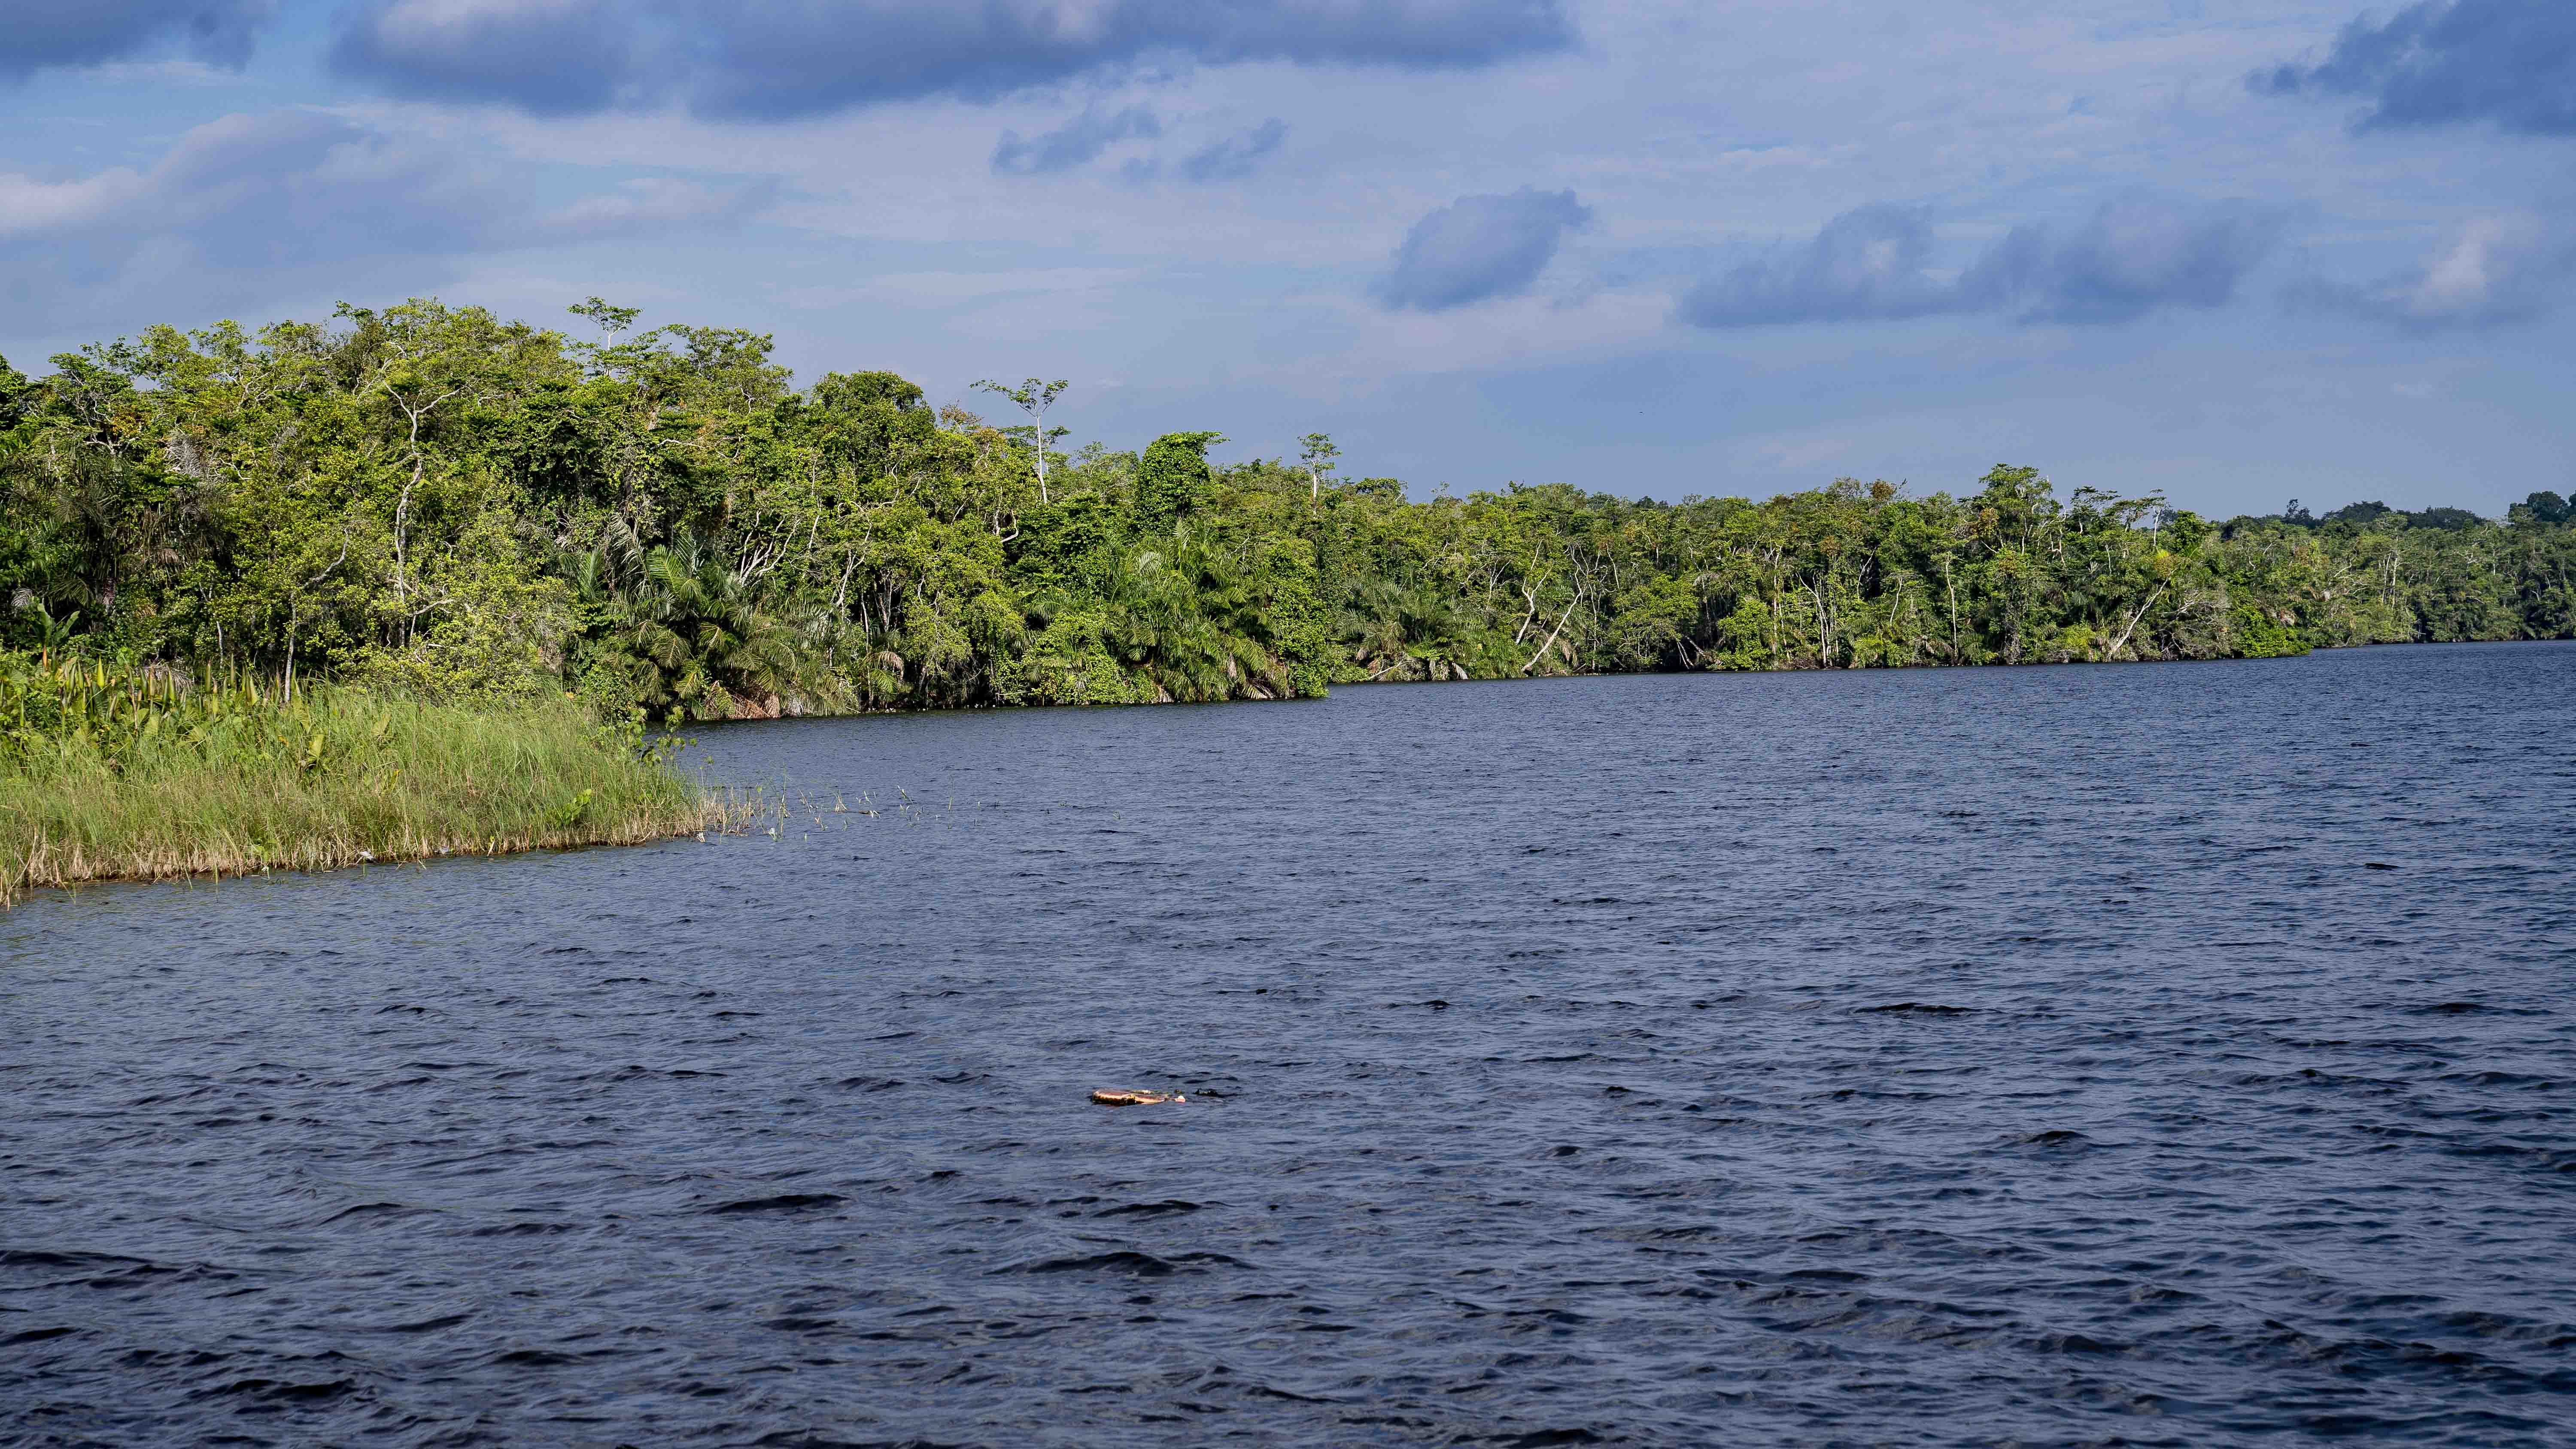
431 497
2538 508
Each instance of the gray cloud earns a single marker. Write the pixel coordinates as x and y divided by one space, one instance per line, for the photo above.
1865 264
2134 256
1236 156
2490 272
1480 247
52 33
2512 62
249 208
779 59
1075 143
547 57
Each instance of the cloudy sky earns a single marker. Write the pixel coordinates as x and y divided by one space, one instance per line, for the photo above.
2236 252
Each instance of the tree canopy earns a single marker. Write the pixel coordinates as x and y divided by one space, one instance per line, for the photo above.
661 519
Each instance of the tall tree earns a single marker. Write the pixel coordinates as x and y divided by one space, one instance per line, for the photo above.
1317 458
1034 398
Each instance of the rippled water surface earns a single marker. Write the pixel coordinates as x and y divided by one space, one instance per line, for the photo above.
2153 1055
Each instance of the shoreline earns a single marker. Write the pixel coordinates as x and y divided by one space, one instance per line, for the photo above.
39 869
785 716
12 896
68 833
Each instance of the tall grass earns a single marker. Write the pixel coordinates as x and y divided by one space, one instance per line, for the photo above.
122 774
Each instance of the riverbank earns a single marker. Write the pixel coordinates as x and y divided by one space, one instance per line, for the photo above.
109 774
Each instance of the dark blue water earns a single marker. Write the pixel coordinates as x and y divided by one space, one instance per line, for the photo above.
2149 1055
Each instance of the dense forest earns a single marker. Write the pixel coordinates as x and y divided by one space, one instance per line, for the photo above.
431 498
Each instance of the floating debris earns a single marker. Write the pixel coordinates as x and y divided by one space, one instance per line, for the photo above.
1126 1097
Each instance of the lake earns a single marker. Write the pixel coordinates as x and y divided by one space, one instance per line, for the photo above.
2169 1054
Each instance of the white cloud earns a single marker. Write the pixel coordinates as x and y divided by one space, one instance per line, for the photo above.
30 207
652 202
2489 271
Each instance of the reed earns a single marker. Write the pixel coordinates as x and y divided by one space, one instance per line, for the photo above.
126 774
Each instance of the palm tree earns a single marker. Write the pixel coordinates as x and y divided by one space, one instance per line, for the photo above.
688 634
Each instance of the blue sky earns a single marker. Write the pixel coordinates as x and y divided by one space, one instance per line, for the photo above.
2233 252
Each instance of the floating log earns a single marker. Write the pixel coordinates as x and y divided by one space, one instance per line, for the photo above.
1130 1097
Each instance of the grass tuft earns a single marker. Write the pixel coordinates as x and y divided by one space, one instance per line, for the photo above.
109 774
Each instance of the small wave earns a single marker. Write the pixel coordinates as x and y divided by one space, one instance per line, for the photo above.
426 1325
1130 1263
2073 1343
2065 1137
2521 1080
1265 1391
808 1439
279 1390
535 1358
634 1073
44 1258
372 1211
788 1202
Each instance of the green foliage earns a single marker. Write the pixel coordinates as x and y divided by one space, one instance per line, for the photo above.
1172 479
566 815
442 504
1068 661
2540 508
15 393
2261 636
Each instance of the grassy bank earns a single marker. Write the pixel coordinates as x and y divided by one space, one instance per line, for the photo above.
109 774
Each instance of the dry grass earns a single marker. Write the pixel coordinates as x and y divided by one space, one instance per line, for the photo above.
108 777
